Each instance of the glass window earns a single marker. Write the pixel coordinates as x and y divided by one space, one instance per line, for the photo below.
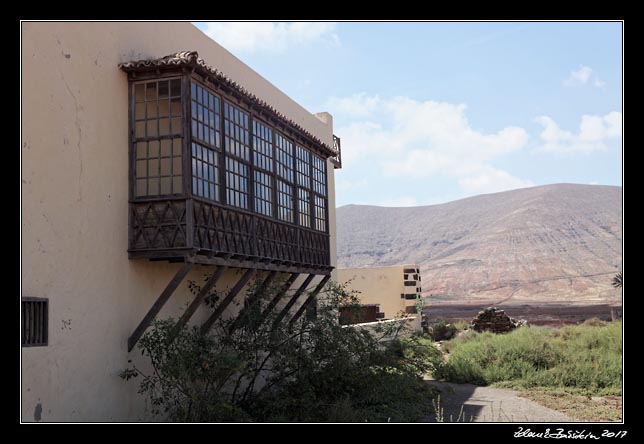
205 172
236 130
157 134
320 213
303 167
237 182
263 193
284 201
304 207
319 175
284 156
262 146
206 115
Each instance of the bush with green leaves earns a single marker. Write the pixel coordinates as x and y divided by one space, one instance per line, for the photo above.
586 358
257 369
442 330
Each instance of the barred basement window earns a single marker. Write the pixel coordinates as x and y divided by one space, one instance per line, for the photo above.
157 137
35 320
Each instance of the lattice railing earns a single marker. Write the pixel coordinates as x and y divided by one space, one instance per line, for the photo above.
164 226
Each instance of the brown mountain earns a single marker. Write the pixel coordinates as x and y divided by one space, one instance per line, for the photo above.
549 244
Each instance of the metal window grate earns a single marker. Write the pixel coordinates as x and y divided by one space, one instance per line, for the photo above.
35 317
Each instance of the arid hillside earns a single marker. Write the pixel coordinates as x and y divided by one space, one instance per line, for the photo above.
549 244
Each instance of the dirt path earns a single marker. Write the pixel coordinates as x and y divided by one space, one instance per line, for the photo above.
488 404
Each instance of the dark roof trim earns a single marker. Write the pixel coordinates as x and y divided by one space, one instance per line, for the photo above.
191 59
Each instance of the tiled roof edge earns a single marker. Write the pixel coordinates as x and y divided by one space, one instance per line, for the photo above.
191 58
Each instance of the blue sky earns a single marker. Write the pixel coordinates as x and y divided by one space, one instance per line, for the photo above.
438 111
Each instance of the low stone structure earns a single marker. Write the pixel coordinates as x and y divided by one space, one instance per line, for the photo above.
495 320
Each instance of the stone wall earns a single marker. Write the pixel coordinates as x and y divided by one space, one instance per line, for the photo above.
495 320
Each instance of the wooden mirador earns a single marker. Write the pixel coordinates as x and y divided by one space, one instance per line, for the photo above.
219 177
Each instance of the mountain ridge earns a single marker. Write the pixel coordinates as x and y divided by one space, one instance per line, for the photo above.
549 243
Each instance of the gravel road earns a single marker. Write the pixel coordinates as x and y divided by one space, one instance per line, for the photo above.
488 404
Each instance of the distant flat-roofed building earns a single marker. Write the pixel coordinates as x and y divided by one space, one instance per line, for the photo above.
394 290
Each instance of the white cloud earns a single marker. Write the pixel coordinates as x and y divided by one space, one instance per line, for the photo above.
486 179
584 75
595 134
269 36
408 138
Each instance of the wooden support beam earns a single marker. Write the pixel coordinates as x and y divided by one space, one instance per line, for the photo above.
309 300
160 302
233 263
271 305
290 303
253 299
199 298
227 300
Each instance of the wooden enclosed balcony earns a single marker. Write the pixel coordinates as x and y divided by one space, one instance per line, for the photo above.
217 174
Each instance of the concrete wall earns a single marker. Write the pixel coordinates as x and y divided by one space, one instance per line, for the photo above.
75 210
380 285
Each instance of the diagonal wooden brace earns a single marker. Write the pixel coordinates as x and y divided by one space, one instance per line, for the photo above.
200 297
158 305
252 299
309 300
227 300
290 303
280 294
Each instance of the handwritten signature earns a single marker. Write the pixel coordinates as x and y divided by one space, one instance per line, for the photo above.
567 434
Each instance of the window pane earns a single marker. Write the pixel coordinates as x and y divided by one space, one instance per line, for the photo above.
153 148
165 167
175 87
166 148
165 185
139 92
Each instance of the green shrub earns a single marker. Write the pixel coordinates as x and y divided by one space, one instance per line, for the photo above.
260 370
442 330
581 357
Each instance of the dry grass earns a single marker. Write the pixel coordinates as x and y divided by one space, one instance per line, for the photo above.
579 407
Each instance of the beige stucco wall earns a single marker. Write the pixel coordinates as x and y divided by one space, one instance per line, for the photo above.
379 285
74 209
